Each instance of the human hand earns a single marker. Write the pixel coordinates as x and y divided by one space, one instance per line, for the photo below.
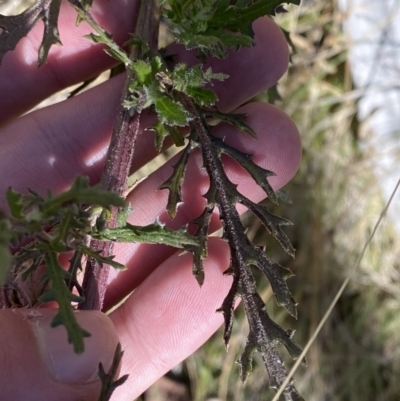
168 316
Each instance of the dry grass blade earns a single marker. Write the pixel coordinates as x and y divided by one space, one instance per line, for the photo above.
335 300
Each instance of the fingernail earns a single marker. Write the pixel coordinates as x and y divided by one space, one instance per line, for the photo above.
63 363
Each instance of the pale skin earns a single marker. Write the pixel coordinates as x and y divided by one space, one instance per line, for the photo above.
168 317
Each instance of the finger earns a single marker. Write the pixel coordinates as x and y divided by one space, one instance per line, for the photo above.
76 60
39 356
69 139
168 317
277 149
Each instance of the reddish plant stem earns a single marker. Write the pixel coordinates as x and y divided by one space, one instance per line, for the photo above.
119 158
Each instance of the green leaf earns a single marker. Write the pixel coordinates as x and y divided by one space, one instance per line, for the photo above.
209 75
89 252
234 40
64 297
170 112
176 8
215 26
183 76
153 234
135 40
5 262
192 80
94 38
123 215
202 96
211 44
162 131
157 64
142 70
116 54
174 183
82 193
249 13
6 258
15 203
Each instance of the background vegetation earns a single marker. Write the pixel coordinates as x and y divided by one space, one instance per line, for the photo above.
336 201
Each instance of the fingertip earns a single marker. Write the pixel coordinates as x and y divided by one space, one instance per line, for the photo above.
269 35
30 350
279 133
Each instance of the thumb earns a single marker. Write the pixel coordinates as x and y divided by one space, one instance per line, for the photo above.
37 363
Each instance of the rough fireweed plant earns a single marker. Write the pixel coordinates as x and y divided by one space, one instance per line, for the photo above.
89 220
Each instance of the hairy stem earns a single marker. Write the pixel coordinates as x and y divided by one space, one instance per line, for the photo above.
119 157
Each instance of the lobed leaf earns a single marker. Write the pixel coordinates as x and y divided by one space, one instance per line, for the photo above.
170 112
81 193
215 26
15 27
162 131
237 120
64 297
75 265
184 76
276 275
142 70
110 381
108 260
6 258
258 173
153 234
94 38
258 9
174 183
201 234
116 54
228 307
15 203
272 223
51 35
202 96
264 333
